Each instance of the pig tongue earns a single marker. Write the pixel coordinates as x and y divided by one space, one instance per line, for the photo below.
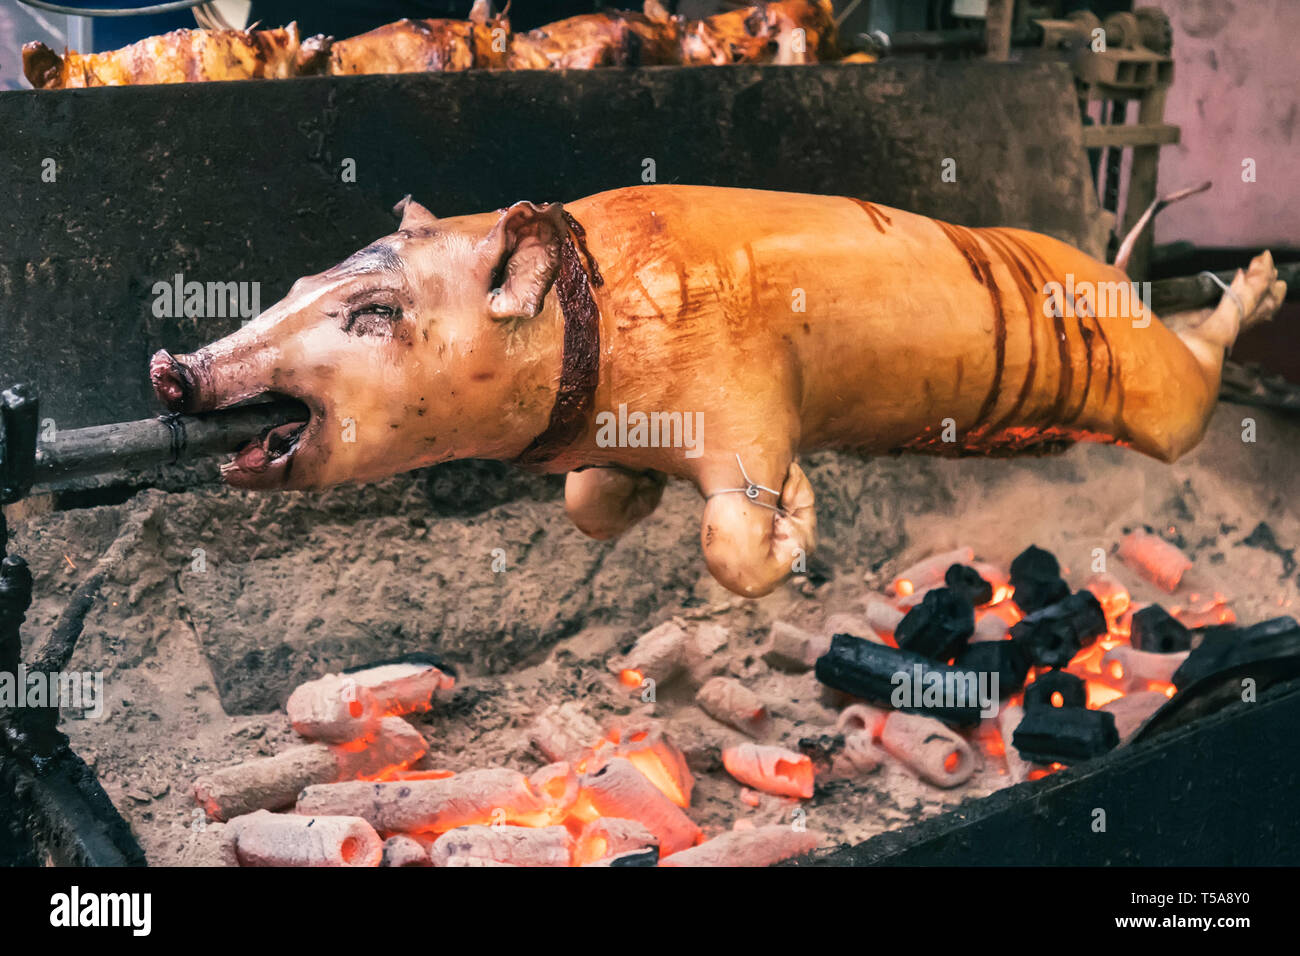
257 454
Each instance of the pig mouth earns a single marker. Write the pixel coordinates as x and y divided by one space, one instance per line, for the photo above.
266 461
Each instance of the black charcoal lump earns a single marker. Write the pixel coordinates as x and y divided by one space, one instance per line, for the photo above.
1003 658
872 671
1036 577
1052 636
966 580
939 626
1155 630
1065 734
1073 691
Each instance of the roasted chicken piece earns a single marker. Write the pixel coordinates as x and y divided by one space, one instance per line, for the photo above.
182 56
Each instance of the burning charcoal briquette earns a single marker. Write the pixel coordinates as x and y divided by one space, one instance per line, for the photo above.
1065 734
938 627
1053 635
1155 630
872 671
1036 578
1224 647
1041 693
1004 658
966 580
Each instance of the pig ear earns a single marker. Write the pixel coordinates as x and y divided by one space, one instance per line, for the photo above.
414 216
523 251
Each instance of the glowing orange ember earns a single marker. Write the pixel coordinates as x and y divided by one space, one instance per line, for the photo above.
630 678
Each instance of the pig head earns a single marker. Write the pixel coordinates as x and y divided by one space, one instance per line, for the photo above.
428 345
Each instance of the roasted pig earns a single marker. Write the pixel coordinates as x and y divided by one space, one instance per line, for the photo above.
182 56
786 31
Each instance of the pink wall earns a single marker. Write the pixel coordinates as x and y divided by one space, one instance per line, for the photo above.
1236 94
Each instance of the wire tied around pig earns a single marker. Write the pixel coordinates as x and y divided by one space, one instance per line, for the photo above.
751 491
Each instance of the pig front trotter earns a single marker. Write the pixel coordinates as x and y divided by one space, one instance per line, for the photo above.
753 543
605 502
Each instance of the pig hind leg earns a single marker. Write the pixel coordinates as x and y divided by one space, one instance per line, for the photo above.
605 502
1208 333
1173 395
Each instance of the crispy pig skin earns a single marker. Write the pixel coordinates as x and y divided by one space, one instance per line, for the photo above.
600 39
423 46
182 56
762 33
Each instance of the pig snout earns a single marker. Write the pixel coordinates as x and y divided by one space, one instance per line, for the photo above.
213 377
172 382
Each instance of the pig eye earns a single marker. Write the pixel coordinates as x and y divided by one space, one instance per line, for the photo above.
372 319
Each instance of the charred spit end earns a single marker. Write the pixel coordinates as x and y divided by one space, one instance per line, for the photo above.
41 65
172 382
1036 578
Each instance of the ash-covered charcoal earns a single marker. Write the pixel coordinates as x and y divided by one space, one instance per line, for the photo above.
1053 635
1004 658
929 572
1065 734
850 753
606 839
882 616
758 846
966 580
932 751
1223 647
404 851
1036 578
873 671
770 769
727 700
791 648
1132 711
1154 558
263 838
1155 629
938 627
270 783
618 789
1044 691
1134 670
